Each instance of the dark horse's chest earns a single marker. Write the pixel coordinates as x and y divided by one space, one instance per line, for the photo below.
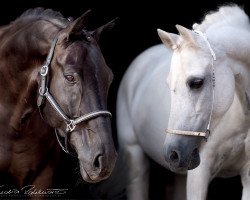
26 153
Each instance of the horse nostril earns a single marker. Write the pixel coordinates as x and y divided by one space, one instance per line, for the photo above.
97 161
174 156
195 159
195 152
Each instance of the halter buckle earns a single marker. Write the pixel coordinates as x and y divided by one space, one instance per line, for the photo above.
44 70
42 91
71 126
207 134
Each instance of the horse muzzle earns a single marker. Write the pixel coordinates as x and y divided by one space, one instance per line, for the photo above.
181 152
96 158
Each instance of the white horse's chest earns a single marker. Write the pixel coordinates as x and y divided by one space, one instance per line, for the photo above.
150 104
226 158
227 147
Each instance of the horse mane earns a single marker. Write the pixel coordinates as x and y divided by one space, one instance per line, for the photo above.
226 15
40 13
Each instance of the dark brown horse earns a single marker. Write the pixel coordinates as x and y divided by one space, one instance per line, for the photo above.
53 76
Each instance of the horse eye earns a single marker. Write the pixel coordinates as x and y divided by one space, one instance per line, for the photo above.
195 83
70 78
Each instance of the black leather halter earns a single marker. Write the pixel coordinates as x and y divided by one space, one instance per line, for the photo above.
44 94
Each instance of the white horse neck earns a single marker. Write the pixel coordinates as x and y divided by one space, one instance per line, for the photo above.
228 31
231 40
235 47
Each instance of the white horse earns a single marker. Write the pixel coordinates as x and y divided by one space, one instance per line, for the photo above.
208 78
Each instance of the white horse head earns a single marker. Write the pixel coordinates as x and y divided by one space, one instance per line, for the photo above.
205 65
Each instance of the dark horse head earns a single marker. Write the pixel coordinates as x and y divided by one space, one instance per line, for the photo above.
62 68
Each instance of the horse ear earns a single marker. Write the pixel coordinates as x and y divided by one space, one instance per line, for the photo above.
106 27
169 39
185 33
77 25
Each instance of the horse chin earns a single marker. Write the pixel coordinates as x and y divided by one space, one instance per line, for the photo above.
178 170
192 164
90 178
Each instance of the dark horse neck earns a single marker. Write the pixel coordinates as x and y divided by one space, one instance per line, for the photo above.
23 50
24 45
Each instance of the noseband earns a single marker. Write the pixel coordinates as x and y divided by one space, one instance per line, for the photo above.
207 132
45 94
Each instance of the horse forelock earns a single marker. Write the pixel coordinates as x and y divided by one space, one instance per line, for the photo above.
230 15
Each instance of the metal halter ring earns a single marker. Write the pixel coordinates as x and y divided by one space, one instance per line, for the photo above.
44 70
43 93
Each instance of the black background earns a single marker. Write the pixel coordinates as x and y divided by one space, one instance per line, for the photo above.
135 31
